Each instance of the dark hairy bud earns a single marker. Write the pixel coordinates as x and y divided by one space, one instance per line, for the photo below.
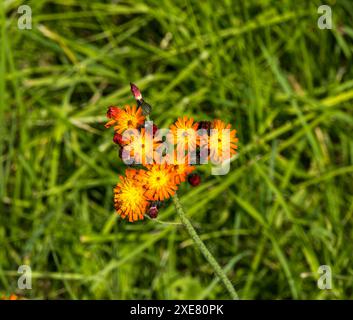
153 212
194 179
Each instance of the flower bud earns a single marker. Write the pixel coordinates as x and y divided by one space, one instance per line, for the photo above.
135 92
194 179
153 212
118 139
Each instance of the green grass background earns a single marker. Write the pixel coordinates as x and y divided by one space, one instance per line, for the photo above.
284 209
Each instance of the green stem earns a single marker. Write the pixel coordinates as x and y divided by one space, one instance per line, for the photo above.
207 254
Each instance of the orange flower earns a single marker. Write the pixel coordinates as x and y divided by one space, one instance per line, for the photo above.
180 167
159 181
184 133
142 147
222 140
130 117
129 199
181 171
113 114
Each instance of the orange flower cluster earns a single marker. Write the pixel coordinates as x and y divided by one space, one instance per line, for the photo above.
143 187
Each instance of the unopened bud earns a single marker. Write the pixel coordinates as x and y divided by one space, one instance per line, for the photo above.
194 179
153 212
118 139
136 92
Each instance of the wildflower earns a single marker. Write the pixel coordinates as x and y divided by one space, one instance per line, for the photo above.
127 118
141 191
184 131
194 179
221 142
129 199
113 114
181 169
141 147
158 181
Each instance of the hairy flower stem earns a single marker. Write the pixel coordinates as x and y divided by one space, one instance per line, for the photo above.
207 254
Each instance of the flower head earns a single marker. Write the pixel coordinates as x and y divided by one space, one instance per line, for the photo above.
142 146
113 112
181 171
184 132
123 119
181 168
159 181
129 199
222 145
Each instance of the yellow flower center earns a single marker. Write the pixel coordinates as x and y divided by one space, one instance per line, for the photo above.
131 195
158 179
